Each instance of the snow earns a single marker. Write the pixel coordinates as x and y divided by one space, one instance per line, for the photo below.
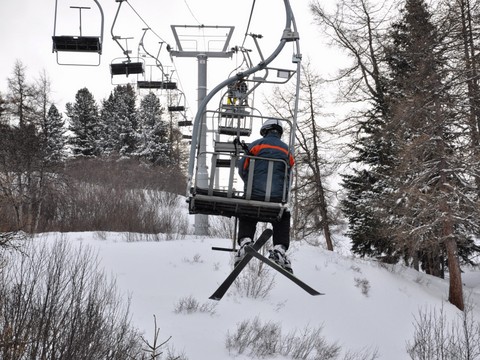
157 275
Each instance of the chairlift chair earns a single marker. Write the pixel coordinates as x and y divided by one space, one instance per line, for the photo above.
78 43
125 66
212 174
222 196
175 108
161 85
233 116
179 104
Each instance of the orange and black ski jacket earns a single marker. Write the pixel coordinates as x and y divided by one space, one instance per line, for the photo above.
270 146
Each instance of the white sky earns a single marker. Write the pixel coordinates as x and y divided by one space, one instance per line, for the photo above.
27 26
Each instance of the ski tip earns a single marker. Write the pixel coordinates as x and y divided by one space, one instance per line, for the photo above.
216 298
268 231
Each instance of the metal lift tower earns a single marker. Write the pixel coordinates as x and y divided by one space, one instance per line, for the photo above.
202 42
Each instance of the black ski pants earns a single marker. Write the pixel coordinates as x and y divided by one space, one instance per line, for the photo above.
281 229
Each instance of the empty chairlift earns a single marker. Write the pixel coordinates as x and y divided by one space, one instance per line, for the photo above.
125 65
78 43
156 85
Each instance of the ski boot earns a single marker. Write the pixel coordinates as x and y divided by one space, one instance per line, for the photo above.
241 251
277 254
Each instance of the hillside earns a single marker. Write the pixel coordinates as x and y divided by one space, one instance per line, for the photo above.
366 306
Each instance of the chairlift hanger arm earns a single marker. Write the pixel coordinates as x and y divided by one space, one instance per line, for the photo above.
116 37
297 58
80 8
157 61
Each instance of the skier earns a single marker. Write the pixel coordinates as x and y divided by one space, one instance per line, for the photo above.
269 146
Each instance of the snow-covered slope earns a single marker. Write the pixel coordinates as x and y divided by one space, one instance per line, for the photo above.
366 305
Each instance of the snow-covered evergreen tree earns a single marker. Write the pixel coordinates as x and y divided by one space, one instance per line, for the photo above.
84 124
119 121
3 108
428 202
153 135
54 135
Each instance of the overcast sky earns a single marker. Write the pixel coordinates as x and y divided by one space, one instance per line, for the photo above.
27 27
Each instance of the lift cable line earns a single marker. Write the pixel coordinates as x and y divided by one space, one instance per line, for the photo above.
211 190
249 22
191 12
144 22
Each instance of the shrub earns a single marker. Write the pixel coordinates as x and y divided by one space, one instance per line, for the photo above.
55 304
189 305
363 285
255 281
259 340
96 194
436 338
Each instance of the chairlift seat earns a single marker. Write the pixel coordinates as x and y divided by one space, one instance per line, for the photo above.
226 130
218 203
77 43
126 68
228 147
165 85
223 163
185 123
234 113
176 108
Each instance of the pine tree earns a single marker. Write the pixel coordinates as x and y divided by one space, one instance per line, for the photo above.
154 143
53 134
3 109
84 124
413 56
356 27
427 200
119 121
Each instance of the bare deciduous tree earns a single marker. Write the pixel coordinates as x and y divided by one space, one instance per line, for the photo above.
312 207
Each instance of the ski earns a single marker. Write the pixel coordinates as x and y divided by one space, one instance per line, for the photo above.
257 245
250 250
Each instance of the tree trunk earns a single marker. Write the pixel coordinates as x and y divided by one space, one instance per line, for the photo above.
324 214
455 295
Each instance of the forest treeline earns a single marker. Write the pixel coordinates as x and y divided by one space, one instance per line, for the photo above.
95 167
412 194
